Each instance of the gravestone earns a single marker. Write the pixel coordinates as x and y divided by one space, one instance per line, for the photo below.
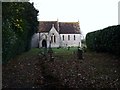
80 53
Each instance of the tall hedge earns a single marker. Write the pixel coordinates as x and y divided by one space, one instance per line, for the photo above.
104 40
19 23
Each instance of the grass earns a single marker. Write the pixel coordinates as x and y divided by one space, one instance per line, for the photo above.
100 70
32 52
64 53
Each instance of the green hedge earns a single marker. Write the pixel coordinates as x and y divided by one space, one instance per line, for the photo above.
19 23
105 40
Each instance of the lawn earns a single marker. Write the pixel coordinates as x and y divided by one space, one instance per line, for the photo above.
32 70
64 53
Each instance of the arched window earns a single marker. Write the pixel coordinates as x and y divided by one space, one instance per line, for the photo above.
54 39
74 37
68 37
63 37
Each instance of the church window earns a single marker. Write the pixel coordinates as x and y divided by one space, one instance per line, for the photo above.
74 37
68 37
63 37
51 39
54 39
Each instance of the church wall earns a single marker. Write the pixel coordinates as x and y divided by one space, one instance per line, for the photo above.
71 41
35 40
59 39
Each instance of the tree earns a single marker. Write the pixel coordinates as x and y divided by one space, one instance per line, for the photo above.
18 26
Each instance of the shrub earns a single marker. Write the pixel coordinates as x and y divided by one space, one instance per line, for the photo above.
105 40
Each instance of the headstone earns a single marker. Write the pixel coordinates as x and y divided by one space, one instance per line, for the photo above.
80 53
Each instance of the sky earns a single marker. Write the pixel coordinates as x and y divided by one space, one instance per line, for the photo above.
92 14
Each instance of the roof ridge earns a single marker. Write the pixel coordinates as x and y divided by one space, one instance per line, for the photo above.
58 21
68 22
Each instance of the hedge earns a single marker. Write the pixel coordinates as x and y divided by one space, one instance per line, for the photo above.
104 40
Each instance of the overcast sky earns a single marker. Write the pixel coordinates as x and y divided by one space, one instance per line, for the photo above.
92 14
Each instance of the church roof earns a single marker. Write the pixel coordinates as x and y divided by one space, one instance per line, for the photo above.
45 26
64 27
69 28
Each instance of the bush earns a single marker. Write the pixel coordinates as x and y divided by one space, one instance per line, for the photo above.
105 40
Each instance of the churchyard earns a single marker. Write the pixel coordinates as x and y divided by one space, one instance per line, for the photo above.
34 70
24 65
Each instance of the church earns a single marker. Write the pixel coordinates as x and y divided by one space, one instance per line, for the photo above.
57 34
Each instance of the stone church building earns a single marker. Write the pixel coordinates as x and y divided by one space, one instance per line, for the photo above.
57 34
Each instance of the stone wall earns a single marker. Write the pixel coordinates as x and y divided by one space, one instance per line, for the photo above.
35 40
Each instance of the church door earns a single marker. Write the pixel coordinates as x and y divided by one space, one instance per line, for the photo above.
44 43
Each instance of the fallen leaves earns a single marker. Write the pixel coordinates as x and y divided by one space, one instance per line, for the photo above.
73 73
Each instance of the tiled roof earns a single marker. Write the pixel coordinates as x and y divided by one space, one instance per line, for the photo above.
45 26
69 28
64 27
